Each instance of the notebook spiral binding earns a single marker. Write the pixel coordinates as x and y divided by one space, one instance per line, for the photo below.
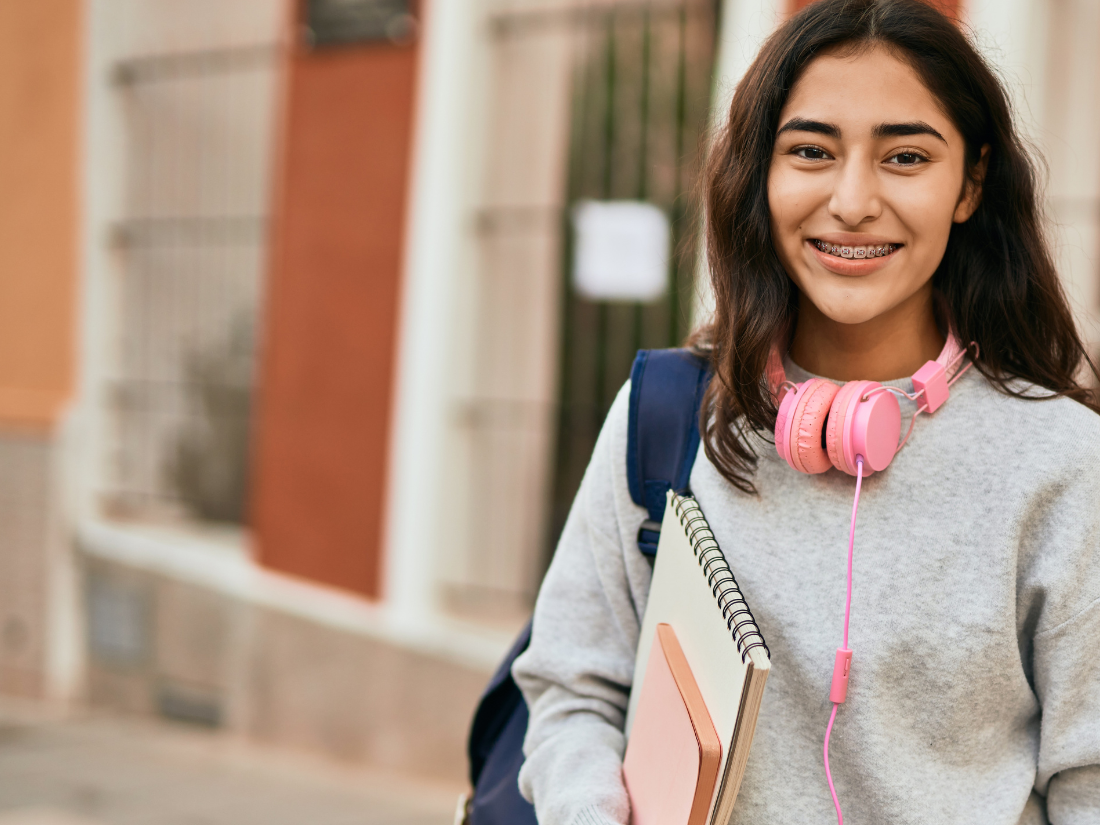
735 610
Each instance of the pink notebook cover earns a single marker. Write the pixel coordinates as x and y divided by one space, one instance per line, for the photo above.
672 759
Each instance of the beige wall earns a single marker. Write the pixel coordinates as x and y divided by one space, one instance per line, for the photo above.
1071 116
504 383
159 645
40 56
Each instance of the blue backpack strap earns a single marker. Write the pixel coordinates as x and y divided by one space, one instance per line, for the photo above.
666 393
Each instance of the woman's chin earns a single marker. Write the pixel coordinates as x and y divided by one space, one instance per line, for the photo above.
849 312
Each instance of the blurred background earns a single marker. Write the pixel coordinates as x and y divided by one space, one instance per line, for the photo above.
310 312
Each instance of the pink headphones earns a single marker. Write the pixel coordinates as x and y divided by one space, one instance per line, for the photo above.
821 425
854 428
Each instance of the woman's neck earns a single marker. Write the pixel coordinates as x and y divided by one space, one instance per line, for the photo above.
892 345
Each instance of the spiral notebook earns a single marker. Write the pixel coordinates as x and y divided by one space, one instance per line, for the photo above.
695 593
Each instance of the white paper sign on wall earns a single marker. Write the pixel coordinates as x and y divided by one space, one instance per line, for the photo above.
621 251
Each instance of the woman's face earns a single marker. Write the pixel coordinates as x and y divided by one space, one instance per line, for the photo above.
866 178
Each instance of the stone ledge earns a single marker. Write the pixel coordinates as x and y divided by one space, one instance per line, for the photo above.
194 630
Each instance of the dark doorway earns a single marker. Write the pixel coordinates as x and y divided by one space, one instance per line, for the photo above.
641 105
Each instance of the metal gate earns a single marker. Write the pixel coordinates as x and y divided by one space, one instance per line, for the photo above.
190 251
641 102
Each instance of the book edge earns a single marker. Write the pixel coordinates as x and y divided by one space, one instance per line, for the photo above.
710 746
741 742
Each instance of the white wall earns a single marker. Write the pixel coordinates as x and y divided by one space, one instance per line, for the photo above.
416 532
474 409
1072 121
115 30
746 24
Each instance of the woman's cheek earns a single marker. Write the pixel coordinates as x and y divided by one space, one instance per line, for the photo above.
927 210
785 201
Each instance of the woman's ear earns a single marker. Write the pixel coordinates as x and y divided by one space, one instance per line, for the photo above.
972 188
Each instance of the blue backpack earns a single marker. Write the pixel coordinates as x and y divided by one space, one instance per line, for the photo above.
666 392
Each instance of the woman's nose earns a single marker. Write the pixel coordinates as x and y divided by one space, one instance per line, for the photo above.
855 197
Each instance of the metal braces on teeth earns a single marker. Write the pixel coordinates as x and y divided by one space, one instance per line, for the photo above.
856 253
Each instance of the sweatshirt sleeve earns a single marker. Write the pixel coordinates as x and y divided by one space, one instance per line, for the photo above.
1067 675
577 672
1063 584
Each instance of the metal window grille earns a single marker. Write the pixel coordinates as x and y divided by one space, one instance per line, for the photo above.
190 249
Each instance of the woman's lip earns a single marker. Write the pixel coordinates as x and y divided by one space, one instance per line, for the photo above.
850 266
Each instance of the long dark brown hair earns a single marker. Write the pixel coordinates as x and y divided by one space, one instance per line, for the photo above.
997 280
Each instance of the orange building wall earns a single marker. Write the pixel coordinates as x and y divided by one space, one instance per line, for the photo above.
40 68
330 325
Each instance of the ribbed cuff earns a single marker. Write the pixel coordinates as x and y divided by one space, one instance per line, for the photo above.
592 816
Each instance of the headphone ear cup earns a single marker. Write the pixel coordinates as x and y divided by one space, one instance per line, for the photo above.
809 446
874 429
834 431
868 428
807 422
783 422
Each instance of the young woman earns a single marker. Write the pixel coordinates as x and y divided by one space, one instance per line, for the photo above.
868 198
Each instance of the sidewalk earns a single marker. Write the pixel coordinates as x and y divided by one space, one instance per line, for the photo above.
97 770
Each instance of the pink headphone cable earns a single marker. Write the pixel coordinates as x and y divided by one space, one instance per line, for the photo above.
854 428
843 656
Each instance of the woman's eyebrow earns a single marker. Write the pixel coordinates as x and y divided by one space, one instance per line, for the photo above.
917 127
801 124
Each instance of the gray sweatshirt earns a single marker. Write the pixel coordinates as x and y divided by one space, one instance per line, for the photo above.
975 626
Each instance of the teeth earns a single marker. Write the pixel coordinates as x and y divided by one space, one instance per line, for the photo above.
856 252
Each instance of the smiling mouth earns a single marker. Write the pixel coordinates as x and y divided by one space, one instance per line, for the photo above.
857 252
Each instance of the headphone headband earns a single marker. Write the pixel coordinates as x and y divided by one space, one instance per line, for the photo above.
950 358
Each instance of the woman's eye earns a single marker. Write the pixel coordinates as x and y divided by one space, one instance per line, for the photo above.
811 153
907 159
